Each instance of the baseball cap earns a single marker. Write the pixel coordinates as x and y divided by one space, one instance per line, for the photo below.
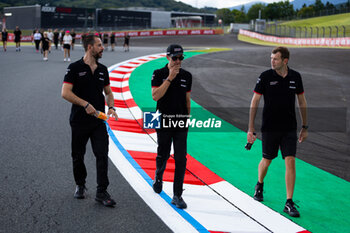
174 50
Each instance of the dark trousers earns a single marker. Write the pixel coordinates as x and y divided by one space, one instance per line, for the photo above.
179 139
99 142
37 43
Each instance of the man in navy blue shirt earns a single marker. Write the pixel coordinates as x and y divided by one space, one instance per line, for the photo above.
279 86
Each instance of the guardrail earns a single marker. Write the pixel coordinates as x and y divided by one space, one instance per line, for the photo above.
143 33
343 42
308 32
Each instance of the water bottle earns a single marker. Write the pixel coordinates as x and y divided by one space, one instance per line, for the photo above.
101 115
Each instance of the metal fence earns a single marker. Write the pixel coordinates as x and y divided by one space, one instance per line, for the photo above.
325 12
308 32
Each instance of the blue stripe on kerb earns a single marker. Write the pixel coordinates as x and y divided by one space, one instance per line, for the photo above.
137 167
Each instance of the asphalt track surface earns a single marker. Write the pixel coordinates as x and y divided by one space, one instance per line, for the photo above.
36 192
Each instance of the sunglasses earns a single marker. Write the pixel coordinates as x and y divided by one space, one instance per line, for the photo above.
180 58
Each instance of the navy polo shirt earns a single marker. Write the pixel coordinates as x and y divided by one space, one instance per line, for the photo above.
89 87
279 97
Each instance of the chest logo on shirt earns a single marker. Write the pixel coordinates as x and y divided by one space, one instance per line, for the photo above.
292 82
273 83
102 77
82 74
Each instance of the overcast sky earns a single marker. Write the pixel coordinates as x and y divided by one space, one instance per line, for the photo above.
219 3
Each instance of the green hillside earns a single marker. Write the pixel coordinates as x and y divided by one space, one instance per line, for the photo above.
326 25
325 21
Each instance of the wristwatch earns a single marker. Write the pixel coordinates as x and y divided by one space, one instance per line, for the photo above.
305 126
111 108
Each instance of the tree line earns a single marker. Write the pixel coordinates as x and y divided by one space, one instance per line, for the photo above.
275 11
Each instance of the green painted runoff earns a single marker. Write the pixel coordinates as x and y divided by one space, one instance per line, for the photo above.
322 197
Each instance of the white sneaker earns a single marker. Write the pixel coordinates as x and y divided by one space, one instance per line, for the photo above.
68 59
64 59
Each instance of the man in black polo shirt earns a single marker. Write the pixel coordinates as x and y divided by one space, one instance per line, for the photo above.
279 86
84 84
171 88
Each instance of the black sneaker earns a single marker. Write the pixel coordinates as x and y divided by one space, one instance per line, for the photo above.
179 202
105 199
157 185
290 209
80 192
258 195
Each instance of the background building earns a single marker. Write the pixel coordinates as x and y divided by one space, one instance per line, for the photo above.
36 16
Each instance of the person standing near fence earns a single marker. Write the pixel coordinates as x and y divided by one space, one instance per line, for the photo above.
4 37
279 86
18 35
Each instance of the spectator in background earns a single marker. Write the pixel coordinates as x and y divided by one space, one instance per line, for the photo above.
61 38
34 31
50 36
18 35
67 43
45 45
42 36
37 39
56 36
73 34
105 41
113 41
126 42
4 37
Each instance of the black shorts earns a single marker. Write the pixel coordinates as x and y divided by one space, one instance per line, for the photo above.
285 141
66 46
